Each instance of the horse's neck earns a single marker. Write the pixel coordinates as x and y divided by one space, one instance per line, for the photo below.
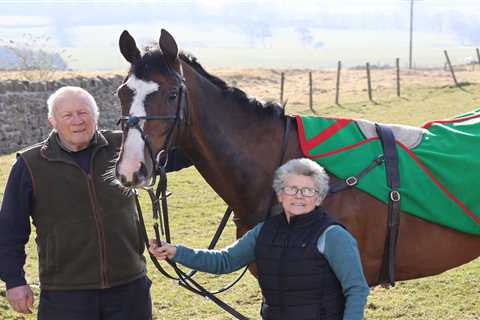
234 149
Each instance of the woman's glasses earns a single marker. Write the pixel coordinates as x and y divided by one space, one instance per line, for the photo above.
305 191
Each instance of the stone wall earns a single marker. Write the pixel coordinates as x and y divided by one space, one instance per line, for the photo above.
23 108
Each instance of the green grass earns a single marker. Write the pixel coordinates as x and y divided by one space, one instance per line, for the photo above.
196 210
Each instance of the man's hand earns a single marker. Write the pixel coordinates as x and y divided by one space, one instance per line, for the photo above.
21 298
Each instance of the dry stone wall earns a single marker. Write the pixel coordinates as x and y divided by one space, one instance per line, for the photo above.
23 108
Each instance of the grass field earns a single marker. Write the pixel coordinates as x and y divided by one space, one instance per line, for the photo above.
196 210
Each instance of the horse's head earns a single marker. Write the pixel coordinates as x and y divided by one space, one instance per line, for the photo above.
153 103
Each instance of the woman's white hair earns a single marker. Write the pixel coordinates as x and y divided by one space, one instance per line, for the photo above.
304 167
70 90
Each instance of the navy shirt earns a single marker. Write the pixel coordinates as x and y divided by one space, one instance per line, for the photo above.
16 208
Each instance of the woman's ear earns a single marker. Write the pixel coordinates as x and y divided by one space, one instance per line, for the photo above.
279 197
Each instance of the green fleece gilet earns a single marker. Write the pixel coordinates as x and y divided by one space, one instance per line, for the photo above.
88 235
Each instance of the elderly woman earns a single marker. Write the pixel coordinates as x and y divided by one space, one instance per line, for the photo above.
308 265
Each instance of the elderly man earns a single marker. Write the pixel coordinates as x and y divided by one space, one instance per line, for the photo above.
91 263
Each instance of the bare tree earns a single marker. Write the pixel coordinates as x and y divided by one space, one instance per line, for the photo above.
34 56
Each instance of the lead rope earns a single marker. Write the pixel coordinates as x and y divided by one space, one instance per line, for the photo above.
183 279
162 211
160 214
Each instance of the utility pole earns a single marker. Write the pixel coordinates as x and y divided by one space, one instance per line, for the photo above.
411 36
410 55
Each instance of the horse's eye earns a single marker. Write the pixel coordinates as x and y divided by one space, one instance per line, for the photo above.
172 96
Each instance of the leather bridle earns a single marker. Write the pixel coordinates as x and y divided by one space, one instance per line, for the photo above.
179 119
159 197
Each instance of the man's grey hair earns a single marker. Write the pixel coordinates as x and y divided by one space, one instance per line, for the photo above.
79 92
304 167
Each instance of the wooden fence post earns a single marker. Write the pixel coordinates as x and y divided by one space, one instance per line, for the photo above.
398 76
282 83
337 87
478 56
451 68
369 83
310 91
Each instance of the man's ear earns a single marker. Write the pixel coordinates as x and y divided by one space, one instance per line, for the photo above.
52 122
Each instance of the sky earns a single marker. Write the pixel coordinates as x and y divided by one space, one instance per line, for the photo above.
263 33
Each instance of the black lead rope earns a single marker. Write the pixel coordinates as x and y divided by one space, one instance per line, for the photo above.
183 279
159 200
160 213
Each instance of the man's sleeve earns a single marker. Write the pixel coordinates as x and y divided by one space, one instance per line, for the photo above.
15 224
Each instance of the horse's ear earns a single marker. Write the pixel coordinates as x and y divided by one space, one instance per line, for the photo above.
168 46
128 47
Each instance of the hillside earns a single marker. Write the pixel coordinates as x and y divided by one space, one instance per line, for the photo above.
417 86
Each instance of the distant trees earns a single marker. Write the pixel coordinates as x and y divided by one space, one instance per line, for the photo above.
33 56
305 36
257 32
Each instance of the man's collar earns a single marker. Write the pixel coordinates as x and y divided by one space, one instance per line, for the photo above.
53 148
92 142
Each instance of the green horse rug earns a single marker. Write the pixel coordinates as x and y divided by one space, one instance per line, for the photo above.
439 163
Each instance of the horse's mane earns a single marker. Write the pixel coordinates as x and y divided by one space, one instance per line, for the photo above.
153 60
234 92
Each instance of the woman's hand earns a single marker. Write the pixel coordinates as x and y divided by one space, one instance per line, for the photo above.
166 250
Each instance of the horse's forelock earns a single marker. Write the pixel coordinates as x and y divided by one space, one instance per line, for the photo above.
151 62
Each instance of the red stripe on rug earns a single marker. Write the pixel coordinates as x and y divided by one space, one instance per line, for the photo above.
444 189
329 153
325 134
302 139
427 124
328 132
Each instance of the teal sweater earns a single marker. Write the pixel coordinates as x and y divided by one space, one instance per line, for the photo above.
336 244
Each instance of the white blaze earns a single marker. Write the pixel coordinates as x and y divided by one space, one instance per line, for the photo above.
133 154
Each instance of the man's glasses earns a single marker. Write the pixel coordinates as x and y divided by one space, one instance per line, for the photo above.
306 191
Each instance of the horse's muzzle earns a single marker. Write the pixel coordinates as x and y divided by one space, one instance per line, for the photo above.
139 178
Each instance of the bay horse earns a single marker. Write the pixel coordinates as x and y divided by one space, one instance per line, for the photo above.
235 142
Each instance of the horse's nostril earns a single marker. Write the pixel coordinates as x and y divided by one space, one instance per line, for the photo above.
123 180
143 169
137 177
